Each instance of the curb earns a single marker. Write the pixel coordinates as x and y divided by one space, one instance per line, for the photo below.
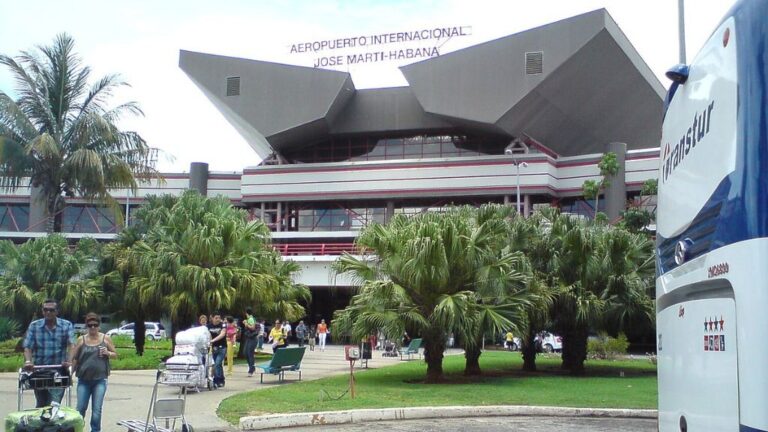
274 421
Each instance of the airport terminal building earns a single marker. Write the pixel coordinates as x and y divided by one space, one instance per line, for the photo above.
531 112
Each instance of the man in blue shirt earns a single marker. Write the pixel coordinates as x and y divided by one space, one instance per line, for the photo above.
49 341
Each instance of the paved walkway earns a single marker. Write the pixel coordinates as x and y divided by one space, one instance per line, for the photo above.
129 392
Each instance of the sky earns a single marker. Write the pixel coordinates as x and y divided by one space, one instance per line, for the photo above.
141 39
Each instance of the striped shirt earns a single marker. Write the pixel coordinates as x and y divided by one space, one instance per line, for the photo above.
49 346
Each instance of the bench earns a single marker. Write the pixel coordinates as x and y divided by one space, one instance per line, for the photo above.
283 360
411 349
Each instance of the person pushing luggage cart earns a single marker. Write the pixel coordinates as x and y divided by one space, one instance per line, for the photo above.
46 371
49 341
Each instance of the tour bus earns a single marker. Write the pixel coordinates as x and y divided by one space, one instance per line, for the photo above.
712 233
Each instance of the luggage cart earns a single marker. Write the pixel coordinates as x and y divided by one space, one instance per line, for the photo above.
187 370
163 414
45 377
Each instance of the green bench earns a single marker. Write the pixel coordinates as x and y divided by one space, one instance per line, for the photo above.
283 360
411 349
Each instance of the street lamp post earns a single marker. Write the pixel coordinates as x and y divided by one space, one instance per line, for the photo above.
517 165
128 208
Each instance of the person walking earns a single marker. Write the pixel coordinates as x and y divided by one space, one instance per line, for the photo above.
261 327
312 335
250 334
90 361
218 332
287 328
322 333
301 333
231 333
49 341
277 337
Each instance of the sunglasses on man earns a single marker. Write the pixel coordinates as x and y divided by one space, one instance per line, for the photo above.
92 325
45 309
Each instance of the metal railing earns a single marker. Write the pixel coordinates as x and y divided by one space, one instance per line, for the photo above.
316 248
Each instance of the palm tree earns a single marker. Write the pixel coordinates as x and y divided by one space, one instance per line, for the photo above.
47 268
601 273
61 138
500 276
431 274
531 237
117 269
201 255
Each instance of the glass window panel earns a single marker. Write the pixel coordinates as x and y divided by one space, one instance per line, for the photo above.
412 149
432 149
394 148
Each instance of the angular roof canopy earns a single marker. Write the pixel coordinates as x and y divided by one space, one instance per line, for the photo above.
573 85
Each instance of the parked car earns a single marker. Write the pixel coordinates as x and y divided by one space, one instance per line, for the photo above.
155 330
549 342
80 329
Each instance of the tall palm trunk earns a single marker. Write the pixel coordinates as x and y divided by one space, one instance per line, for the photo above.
55 214
472 356
529 351
139 332
575 349
434 347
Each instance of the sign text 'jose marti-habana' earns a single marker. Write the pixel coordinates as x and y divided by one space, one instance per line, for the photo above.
425 43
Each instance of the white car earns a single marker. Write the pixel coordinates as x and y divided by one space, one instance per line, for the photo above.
549 342
155 330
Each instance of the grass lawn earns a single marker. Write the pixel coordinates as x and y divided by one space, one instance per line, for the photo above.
503 383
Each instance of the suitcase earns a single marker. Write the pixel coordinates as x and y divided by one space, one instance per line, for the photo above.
47 419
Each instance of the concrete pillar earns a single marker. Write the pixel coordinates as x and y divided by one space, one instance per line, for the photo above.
198 177
526 205
389 213
616 192
38 213
279 217
506 200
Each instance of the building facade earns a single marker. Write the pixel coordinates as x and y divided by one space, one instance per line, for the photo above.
529 114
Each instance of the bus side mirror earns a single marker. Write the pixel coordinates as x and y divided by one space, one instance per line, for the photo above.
678 73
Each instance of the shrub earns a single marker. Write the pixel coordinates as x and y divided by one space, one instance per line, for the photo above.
9 328
10 347
650 187
606 347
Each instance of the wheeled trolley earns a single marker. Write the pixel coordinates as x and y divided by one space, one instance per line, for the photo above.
163 414
50 418
45 377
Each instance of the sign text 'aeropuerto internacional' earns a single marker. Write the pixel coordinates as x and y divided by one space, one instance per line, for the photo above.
370 48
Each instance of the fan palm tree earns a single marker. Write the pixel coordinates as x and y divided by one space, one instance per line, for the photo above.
61 138
531 237
201 255
601 272
47 268
432 274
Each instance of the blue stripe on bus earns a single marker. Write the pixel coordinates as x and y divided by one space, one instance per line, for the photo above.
744 428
